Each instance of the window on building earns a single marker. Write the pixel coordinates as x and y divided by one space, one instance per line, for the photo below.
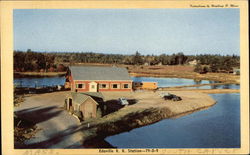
103 85
126 86
115 86
80 85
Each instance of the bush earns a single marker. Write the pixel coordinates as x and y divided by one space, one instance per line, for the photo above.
51 69
201 69
198 68
237 72
213 68
78 114
61 68
205 69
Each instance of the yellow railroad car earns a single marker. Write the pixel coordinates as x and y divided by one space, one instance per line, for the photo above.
145 85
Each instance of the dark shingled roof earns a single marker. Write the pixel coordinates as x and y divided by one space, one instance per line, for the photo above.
94 94
79 98
99 73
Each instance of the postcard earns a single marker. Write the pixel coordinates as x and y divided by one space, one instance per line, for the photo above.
124 77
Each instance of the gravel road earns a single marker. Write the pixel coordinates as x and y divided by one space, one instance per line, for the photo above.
57 128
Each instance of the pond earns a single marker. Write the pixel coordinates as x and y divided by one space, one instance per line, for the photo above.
162 82
216 127
39 81
224 86
171 82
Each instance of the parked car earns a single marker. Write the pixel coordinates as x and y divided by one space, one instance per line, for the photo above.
168 96
172 97
123 101
163 94
176 98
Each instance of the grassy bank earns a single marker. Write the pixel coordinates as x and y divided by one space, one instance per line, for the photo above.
220 77
23 130
207 91
179 71
38 74
175 71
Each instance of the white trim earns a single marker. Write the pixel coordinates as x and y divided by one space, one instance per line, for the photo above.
83 86
76 118
118 85
129 86
100 87
91 88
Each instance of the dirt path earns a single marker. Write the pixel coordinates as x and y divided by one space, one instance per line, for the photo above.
58 129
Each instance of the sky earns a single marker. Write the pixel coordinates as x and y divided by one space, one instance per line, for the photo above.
125 31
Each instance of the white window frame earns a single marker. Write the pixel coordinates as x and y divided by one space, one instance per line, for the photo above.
123 85
118 85
100 85
77 86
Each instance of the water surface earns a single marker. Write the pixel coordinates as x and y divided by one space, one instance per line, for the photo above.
171 82
216 127
224 86
39 81
162 82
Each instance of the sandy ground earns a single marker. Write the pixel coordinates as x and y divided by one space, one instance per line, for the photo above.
150 108
57 128
190 100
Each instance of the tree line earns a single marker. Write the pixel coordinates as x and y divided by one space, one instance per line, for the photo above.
217 63
57 61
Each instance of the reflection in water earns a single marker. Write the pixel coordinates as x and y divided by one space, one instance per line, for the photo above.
214 86
211 82
197 81
38 81
162 82
224 86
170 82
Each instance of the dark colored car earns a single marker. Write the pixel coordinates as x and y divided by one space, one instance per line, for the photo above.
176 98
168 97
172 97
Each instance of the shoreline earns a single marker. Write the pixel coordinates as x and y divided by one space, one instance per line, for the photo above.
93 142
38 74
220 77
90 142
132 117
192 75
149 109
208 91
